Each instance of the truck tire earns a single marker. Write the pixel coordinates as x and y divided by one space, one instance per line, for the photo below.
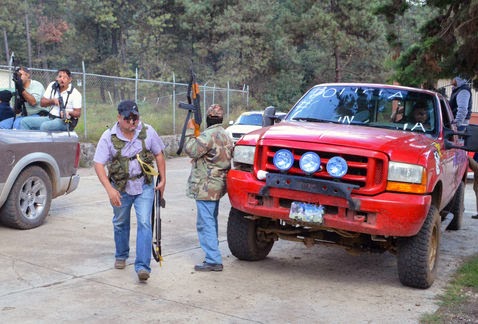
242 238
457 208
418 255
29 201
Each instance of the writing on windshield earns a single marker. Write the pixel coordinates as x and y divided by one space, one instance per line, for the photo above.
375 106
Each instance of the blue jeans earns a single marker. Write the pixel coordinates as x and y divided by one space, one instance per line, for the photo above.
7 123
43 124
206 225
143 204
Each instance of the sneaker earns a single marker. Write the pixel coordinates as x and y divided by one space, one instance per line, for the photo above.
208 267
475 216
143 275
120 264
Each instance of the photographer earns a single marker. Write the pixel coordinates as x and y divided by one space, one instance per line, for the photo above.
65 106
29 93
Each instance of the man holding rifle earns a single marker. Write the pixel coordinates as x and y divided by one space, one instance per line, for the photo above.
211 153
29 93
129 150
65 106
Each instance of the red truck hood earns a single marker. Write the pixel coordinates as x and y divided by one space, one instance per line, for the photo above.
368 138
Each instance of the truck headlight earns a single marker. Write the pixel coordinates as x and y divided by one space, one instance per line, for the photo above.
283 159
244 154
309 162
337 167
404 177
404 172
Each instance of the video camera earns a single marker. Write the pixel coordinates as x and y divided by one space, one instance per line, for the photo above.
19 105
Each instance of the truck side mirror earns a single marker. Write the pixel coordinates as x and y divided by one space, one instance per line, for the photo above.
269 116
470 137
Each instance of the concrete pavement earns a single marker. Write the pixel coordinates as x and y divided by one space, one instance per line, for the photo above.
62 272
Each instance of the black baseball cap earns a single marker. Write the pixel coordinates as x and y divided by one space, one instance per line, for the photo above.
128 107
5 96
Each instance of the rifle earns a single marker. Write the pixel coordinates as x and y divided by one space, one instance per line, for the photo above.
68 121
56 88
193 107
156 223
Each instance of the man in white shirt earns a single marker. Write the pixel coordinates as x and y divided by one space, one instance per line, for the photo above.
59 94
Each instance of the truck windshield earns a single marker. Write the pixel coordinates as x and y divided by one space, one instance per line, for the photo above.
383 107
249 119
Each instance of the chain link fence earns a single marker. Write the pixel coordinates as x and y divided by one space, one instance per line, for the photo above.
157 100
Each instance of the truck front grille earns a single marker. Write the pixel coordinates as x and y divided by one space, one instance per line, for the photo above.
365 168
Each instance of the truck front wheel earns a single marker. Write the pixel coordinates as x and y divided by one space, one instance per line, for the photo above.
243 240
29 200
418 255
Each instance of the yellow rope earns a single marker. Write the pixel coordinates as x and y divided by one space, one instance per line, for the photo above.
148 169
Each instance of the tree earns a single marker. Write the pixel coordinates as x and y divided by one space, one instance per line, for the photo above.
447 45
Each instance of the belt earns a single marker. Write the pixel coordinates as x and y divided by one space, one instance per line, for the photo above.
53 116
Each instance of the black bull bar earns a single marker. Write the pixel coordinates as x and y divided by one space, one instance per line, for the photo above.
320 186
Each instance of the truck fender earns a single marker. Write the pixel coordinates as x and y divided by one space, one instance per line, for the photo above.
46 161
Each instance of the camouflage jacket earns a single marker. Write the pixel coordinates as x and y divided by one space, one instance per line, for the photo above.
211 154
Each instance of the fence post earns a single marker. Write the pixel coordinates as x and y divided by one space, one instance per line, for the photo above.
204 109
227 102
247 97
174 104
136 86
213 94
84 99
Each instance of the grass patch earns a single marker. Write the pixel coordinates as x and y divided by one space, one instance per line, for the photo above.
459 302
164 119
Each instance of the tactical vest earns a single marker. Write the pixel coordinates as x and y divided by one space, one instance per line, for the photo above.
119 166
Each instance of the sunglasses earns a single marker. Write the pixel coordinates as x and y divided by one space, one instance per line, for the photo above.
133 118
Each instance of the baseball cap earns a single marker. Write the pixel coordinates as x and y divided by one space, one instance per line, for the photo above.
5 96
128 107
215 111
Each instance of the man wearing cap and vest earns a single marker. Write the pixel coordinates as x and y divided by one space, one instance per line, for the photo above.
129 149
211 154
31 91
58 120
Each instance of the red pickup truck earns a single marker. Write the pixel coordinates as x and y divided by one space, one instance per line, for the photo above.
353 165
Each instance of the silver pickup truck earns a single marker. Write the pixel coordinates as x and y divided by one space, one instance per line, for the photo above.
35 167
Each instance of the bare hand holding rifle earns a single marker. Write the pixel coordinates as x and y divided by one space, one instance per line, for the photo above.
193 107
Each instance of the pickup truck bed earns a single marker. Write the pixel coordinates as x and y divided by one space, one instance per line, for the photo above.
36 168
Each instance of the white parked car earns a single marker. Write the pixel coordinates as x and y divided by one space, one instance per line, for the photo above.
245 123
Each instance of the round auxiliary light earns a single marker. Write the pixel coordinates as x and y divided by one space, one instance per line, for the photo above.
309 162
283 159
337 167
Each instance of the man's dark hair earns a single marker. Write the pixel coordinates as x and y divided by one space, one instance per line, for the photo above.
25 69
66 71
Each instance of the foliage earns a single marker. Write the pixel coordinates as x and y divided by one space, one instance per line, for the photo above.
448 40
279 48
458 303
